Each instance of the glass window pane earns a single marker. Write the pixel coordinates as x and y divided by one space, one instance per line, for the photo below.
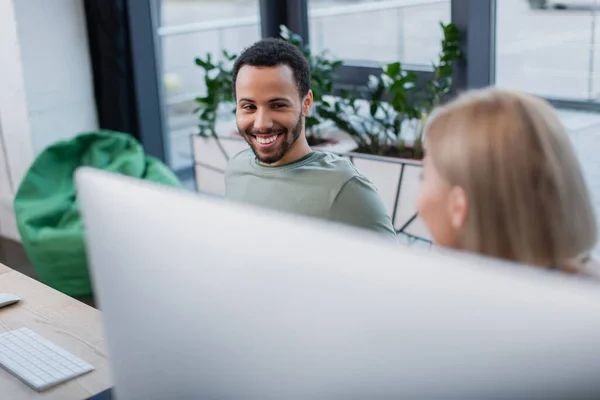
190 29
553 52
379 30
182 12
549 52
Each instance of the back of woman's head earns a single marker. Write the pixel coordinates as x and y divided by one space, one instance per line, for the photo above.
525 193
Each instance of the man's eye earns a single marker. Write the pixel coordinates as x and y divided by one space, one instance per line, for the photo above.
278 105
248 107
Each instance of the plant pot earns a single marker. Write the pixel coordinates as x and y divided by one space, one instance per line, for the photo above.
317 141
405 153
210 160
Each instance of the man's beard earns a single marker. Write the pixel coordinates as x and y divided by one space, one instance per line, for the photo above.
278 153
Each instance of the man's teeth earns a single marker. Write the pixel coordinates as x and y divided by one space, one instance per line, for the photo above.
266 140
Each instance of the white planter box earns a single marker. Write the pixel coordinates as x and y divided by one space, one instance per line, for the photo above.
210 160
396 179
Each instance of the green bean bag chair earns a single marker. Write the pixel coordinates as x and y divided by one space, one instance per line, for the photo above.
46 203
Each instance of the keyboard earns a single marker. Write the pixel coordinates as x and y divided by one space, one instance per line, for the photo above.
38 362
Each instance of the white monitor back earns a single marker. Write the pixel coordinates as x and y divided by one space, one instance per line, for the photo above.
204 299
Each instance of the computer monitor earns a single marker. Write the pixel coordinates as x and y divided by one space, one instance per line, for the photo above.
210 300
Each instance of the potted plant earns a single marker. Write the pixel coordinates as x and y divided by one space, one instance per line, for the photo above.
219 92
387 117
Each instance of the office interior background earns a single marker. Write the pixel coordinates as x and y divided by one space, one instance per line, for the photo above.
74 66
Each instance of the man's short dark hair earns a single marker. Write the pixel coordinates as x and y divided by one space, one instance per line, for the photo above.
271 52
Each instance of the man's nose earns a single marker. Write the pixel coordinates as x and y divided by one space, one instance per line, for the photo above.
263 121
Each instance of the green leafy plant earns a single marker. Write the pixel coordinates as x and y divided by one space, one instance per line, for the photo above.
374 116
219 91
440 86
450 55
392 110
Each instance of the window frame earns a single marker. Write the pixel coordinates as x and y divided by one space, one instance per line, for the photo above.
147 72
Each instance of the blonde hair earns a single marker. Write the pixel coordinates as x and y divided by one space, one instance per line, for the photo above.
527 199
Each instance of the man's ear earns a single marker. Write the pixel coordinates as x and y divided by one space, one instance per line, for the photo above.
458 207
307 103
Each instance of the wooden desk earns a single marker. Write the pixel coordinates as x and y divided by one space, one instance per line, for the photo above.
63 320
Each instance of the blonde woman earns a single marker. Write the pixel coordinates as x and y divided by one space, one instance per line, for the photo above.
500 178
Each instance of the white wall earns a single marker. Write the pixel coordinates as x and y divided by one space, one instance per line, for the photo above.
57 69
46 89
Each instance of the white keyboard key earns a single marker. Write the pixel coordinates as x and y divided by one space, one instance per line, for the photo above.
38 362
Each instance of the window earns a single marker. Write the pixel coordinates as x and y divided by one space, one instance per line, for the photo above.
379 31
191 29
553 52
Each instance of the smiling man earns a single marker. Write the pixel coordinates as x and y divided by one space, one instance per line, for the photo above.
271 81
